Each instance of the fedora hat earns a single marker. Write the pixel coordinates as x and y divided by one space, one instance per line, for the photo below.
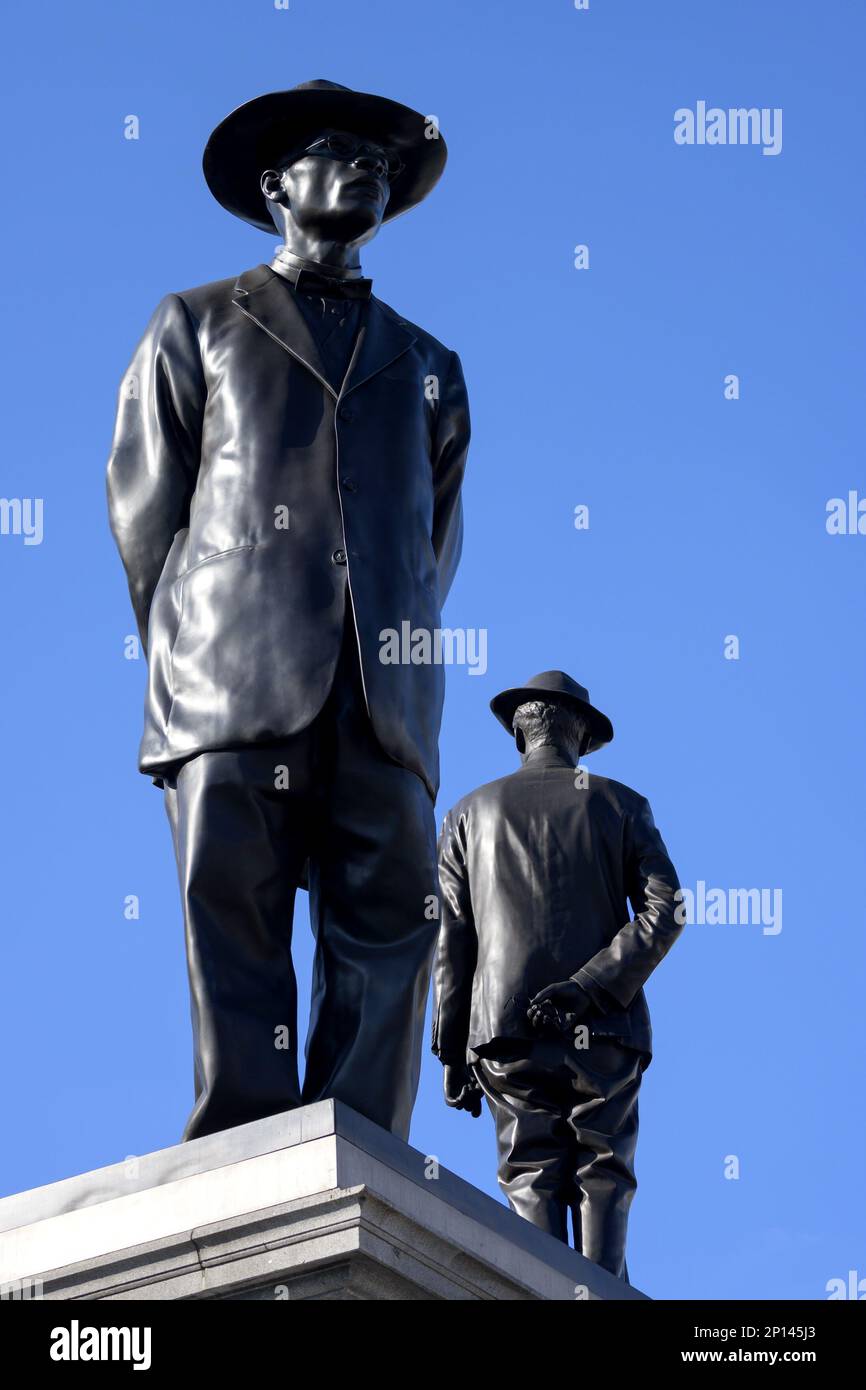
259 133
558 688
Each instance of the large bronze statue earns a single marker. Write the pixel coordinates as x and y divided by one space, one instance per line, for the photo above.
539 972
284 484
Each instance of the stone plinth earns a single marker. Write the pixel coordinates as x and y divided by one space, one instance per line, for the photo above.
316 1203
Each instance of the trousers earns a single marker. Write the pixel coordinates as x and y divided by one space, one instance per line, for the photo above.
245 821
566 1133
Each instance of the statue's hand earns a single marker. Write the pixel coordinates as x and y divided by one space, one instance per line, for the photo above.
462 1091
557 1010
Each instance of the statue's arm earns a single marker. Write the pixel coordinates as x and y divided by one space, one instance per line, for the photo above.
457 948
623 967
155 452
451 446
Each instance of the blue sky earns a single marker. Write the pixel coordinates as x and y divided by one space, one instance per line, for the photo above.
602 387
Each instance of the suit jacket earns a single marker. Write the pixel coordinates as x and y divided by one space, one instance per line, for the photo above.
251 501
535 879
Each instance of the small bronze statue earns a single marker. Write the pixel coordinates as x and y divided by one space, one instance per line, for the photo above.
539 972
285 484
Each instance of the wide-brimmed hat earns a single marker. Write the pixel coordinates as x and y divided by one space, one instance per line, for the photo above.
263 130
559 688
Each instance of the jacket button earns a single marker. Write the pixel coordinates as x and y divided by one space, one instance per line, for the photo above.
349 484
339 557
346 414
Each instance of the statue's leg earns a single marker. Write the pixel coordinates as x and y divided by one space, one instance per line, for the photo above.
604 1119
240 844
373 895
528 1099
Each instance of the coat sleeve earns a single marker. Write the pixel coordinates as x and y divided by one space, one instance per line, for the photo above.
155 453
457 948
451 445
623 967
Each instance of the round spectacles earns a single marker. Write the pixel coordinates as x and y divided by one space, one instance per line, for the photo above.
372 157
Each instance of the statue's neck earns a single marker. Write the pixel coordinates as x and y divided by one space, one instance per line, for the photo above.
312 253
553 753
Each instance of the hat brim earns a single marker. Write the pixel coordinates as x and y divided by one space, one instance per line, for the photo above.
508 702
256 135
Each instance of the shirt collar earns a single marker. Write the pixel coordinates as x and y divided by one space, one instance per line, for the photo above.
318 278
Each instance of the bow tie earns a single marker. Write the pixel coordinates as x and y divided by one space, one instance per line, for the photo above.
330 286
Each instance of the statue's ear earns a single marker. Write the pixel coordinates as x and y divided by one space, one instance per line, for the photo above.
520 740
271 183
584 741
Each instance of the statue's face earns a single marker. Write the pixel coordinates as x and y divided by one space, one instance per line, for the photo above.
337 188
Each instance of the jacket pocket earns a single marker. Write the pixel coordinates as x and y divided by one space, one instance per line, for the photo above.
212 658
208 559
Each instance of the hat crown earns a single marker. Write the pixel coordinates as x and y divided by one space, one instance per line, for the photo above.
320 84
553 686
557 683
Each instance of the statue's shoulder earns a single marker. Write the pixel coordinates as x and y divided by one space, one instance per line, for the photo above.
203 306
425 338
215 294
506 798
486 797
624 799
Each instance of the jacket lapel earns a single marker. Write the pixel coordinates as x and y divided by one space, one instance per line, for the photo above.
264 298
381 339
